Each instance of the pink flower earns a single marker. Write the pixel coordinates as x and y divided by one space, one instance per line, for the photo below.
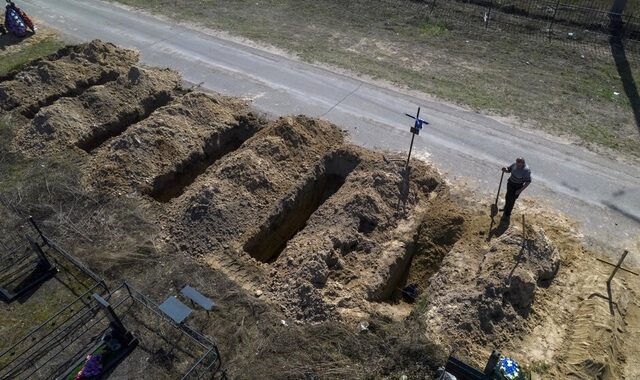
92 367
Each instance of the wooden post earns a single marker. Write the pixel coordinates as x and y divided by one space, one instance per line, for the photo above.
621 268
617 267
417 126
413 136
486 21
609 291
553 19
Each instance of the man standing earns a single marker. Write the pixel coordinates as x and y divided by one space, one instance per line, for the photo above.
518 181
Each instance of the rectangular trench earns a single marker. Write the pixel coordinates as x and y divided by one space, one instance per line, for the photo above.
79 87
100 135
173 184
421 257
391 289
272 237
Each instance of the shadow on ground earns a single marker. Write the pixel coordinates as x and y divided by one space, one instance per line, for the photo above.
622 63
9 39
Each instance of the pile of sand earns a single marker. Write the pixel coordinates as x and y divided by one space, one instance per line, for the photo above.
485 292
100 112
149 156
44 81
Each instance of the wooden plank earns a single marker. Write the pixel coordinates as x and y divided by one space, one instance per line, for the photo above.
621 268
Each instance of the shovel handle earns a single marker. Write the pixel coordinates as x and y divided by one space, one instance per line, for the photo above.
499 188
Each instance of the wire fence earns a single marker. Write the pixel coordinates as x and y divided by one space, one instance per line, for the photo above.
590 25
13 230
202 357
589 22
61 341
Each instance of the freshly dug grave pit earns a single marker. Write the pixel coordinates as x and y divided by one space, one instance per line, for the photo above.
235 195
243 185
165 152
45 81
325 180
441 226
351 244
172 185
133 99
100 113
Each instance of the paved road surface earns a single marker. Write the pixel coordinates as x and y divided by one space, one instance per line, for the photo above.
604 196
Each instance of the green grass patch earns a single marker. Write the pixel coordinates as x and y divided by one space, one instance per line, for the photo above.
18 58
434 28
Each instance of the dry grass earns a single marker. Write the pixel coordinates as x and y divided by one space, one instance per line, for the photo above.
48 188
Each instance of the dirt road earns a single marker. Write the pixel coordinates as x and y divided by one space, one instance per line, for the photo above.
600 193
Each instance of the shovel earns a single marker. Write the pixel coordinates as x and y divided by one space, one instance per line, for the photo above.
494 207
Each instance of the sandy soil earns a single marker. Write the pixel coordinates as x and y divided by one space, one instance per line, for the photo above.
323 230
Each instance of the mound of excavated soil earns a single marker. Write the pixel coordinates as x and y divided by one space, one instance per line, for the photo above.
354 247
243 186
298 206
318 228
486 292
44 81
538 296
237 193
100 112
153 156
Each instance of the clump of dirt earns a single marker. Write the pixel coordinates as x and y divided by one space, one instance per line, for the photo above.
163 153
101 112
484 292
45 81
